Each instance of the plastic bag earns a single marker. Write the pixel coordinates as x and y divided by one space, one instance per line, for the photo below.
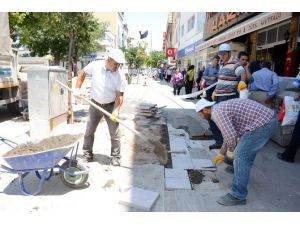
292 108
244 93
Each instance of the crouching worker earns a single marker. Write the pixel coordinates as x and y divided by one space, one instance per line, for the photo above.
251 123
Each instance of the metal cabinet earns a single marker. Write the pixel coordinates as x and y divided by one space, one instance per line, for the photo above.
46 99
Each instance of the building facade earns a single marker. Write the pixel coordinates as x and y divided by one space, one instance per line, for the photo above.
272 36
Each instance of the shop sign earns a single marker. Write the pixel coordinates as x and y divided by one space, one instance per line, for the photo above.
222 21
170 52
164 41
256 23
190 49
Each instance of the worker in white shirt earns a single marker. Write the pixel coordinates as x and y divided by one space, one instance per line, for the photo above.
107 91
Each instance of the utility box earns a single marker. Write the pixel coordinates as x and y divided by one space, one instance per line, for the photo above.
47 100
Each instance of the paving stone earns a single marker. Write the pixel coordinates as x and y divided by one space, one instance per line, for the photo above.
138 198
177 144
177 183
176 173
203 164
182 162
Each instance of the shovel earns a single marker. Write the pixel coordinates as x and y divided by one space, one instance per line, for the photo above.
159 149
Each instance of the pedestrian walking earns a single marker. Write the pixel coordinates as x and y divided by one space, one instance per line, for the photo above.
247 121
107 91
189 79
177 81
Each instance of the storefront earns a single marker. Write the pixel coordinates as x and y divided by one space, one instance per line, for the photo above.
186 56
265 36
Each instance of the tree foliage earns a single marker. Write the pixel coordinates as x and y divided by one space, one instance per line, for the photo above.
155 58
49 33
136 56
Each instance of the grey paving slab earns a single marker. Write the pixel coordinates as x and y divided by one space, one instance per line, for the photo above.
138 198
176 173
182 161
177 144
177 183
184 201
203 164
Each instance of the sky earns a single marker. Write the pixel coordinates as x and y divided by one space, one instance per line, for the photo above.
154 22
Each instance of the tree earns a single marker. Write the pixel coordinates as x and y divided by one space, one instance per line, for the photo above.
136 56
49 33
62 35
155 58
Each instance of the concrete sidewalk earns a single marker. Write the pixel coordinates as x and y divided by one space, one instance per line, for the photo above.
274 185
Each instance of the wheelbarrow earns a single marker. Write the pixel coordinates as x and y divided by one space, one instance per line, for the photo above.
43 163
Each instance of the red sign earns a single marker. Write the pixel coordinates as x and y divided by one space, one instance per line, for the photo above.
164 40
170 52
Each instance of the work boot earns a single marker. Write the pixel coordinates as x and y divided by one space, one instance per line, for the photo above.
230 200
115 161
88 156
215 146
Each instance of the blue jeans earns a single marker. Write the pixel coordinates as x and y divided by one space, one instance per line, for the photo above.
245 152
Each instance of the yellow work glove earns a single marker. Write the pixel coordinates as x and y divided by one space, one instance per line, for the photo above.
218 159
230 155
213 96
113 116
241 86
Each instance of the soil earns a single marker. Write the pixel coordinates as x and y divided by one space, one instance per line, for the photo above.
196 177
43 145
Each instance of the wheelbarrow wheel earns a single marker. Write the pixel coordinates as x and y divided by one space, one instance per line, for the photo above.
77 181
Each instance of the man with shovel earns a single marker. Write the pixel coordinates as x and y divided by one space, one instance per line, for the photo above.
107 90
251 123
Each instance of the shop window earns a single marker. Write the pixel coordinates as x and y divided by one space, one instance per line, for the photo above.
272 35
261 38
281 31
191 23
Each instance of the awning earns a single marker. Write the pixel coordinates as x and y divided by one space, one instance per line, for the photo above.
255 23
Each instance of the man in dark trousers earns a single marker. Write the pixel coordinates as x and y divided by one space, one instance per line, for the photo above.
290 152
107 91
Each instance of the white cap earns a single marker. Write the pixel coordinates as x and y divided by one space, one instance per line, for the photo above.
117 55
224 48
203 103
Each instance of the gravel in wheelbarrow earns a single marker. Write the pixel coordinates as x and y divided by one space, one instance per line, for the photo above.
44 154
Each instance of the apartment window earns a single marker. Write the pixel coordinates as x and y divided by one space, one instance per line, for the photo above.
261 38
273 35
200 21
182 30
191 23
282 30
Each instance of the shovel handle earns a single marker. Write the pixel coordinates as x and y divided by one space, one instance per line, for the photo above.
103 111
